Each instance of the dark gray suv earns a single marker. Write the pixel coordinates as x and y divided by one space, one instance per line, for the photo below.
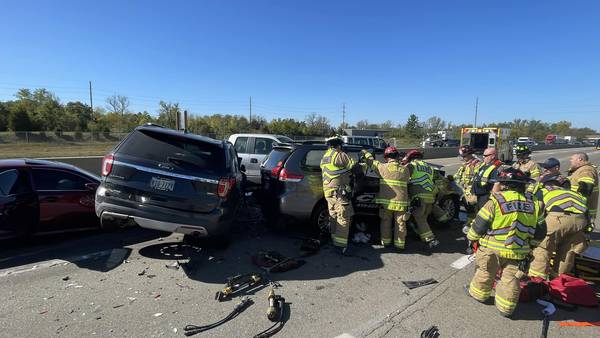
171 181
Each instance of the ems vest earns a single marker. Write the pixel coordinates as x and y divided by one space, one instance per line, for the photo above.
421 181
334 177
562 200
393 193
514 221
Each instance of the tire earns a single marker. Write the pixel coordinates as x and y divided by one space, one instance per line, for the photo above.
451 205
319 218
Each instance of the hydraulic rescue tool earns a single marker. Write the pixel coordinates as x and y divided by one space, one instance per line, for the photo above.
274 314
191 330
239 283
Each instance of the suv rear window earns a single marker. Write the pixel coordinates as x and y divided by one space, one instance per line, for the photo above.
184 153
278 154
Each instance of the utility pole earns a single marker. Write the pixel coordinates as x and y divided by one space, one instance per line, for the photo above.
250 109
91 102
476 108
344 114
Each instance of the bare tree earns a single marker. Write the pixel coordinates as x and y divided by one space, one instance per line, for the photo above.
117 104
434 124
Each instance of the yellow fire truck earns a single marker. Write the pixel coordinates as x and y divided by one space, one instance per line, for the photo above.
482 138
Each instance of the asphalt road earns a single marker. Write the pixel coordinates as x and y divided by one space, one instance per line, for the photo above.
118 285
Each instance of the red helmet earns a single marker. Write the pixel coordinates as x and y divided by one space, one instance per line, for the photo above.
391 152
413 154
466 150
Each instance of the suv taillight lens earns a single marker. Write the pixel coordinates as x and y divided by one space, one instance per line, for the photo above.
287 176
275 171
107 164
225 186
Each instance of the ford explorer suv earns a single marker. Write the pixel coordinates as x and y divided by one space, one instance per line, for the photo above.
253 150
171 181
292 188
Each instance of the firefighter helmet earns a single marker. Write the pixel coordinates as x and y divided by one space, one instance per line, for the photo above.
513 177
334 141
391 152
413 154
466 150
522 150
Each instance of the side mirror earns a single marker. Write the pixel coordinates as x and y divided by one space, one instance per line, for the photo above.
243 168
91 186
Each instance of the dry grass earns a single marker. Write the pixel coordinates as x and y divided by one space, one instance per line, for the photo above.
33 150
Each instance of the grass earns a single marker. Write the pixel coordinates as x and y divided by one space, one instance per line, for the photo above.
43 150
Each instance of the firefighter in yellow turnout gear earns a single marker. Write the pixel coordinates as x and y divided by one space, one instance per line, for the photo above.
336 167
504 227
420 190
583 177
464 178
392 196
566 219
526 165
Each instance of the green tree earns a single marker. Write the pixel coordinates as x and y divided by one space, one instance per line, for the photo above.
18 120
167 114
4 114
77 116
412 128
317 125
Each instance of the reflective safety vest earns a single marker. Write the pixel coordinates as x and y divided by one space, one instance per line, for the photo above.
514 222
393 193
558 199
465 174
421 181
532 168
588 174
335 177
482 177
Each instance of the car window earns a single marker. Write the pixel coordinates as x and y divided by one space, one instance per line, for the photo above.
361 141
370 141
313 159
285 139
262 146
277 155
48 179
241 144
185 153
14 182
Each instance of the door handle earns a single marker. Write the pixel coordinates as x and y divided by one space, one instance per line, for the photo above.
253 160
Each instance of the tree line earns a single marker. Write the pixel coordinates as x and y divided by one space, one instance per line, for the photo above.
41 110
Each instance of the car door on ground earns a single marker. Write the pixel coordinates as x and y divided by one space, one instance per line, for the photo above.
19 211
65 201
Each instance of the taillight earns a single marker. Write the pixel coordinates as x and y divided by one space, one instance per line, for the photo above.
225 186
107 164
275 171
287 176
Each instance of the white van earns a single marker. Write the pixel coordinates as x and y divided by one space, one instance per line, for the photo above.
372 141
253 149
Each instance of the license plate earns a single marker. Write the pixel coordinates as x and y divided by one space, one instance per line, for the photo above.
162 184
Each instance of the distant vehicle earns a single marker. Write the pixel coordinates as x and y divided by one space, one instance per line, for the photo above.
373 142
253 149
171 181
43 196
555 139
441 138
292 187
597 144
527 141
482 138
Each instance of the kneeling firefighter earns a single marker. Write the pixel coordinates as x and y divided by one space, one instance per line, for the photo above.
336 167
420 190
566 217
392 196
505 226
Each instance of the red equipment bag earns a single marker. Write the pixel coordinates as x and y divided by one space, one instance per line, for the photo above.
572 290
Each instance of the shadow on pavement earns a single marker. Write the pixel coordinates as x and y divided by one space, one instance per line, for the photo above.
93 250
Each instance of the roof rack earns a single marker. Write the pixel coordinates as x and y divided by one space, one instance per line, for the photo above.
150 124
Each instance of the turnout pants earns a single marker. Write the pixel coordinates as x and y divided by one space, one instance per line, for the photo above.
507 291
565 237
340 219
420 215
393 227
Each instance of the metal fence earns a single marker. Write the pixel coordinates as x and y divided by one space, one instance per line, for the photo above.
8 137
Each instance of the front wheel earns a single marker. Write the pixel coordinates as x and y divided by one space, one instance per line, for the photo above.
451 205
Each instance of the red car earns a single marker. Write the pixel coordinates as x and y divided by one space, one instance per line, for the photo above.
44 196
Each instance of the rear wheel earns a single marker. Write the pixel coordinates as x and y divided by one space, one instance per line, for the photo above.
320 217
451 205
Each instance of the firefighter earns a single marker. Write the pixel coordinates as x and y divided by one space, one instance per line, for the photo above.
486 171
583 177
566 220
336 167
420 191
464 178
551 167
526 165
392 196
504 228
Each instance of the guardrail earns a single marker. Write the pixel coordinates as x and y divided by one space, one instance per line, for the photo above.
93 164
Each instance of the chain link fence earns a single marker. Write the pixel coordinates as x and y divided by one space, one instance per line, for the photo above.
8 137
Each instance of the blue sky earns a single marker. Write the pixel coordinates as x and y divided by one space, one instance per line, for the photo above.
384 59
